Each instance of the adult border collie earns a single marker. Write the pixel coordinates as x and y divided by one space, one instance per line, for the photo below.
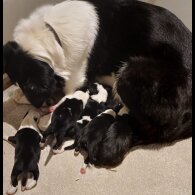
144 49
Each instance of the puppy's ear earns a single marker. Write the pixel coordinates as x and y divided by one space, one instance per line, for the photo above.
12 139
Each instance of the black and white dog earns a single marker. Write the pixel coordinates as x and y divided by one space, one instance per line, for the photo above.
27 152
144 49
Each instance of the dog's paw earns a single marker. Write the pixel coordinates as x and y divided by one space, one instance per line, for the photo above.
23 188
5 138
31 183
12 190
58 151
42 144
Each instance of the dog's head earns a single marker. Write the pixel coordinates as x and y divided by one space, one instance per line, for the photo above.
36 78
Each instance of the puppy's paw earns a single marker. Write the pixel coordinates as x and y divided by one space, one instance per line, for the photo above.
5 138
23 188
42 144
58 151
31 183
12 190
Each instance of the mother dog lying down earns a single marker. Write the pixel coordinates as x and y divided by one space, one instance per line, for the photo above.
142 50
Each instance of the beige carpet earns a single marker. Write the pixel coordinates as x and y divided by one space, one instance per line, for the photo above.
166 171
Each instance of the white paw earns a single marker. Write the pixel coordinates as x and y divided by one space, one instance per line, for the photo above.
30 184
41 144
57 151
23 188
5 138
76 153
12 190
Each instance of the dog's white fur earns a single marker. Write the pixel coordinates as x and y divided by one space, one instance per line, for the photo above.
76 23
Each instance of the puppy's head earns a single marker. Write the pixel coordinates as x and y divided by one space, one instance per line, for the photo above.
61 119
30 120
36 78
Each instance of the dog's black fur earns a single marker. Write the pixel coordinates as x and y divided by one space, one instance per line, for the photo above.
27 154
155 82
37 80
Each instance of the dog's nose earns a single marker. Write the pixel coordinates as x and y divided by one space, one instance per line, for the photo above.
50 102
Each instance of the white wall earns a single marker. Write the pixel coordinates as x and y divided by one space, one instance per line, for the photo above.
181 8
13 10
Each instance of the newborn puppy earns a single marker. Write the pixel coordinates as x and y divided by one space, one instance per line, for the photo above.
91 136
65 116
116 142
27 152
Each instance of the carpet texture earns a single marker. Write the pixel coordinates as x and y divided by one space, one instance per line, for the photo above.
145 171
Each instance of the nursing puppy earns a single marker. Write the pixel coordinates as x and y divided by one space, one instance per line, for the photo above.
64 117
92 134
27 152
116 141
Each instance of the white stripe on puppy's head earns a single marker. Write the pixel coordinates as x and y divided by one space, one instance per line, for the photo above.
79 95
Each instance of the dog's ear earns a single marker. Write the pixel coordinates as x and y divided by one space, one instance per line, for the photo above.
9 49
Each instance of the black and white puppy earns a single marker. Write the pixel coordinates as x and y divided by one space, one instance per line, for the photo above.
27 152
65 116
116 141
92 134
